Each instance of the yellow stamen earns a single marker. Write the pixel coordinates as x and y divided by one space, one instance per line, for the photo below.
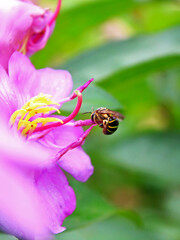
36 107
23 47
21 112
44 110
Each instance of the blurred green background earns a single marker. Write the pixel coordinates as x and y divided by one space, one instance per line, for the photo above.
132 49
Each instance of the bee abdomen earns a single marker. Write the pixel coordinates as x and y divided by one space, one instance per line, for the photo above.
111 127
113 123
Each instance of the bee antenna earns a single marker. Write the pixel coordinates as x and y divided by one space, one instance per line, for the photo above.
86 112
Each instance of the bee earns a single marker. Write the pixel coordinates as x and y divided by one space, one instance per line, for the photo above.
107 119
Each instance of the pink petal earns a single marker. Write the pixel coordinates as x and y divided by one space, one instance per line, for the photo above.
58 198
17 152
35 196
8 99
20 209
23 76
20 20
57 83
31 82
75 161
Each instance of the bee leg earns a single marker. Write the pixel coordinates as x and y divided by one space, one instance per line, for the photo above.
105 122
101 125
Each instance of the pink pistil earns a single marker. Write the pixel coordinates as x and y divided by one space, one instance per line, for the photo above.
69 118
74 95
73 145
82 88
56 13
76 110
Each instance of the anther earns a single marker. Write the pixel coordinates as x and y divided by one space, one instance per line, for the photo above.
69 118
36 108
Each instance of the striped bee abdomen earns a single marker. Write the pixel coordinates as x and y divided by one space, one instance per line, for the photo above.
111 127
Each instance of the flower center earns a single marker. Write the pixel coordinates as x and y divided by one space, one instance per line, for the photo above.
35 113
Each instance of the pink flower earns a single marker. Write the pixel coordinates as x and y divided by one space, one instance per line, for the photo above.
35 195
25 27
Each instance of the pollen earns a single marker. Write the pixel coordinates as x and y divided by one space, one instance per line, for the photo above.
35 113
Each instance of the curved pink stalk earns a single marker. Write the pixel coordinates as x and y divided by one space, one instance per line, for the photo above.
56 13
73 145
74 95
69 118
81 88
76 110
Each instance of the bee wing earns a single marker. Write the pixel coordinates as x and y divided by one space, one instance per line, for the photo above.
119 115
113 113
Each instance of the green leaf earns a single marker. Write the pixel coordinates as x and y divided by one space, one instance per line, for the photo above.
124 60
80 24
114 228
172 205
155 154
94 97
91 207
154 16
166 85
158 220
118 63
74 27
7 237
